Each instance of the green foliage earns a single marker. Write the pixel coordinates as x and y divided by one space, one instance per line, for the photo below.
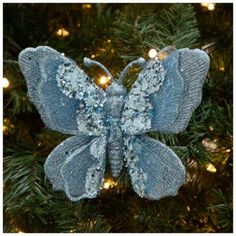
221 213
140 29
24 181
116 34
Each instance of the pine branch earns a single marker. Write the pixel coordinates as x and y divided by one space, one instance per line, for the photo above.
139 31
221 213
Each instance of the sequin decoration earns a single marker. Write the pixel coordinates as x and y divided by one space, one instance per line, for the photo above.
138 176
93 182
74 83
137 109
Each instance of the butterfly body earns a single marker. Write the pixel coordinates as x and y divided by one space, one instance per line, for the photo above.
115 96
113 122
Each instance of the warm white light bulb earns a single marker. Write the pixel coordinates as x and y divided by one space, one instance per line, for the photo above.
204 4
5 82
211 168
109 183
106 185
59 32
103 80
62 32
152 53
86 6
211 6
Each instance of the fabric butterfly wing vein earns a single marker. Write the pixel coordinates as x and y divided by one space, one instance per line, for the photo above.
113 119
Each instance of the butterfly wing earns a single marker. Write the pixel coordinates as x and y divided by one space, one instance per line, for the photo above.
57 157
62 93
77 166
155 170
166 93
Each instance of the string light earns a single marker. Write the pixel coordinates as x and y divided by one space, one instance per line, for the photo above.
109 183
62 32
93 56
5 82
104 80
109 41
7 126
222 69
152 53
86 6
204 4
209 6
210 145
5 129
211 168
211 128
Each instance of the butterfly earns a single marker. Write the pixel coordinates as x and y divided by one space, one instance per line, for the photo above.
111 123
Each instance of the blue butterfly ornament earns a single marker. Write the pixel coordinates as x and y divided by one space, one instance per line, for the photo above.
112 123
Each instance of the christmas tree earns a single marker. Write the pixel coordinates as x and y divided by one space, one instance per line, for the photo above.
115 34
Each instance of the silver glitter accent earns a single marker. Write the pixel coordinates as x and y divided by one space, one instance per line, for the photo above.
137 109
97 148
93 183
137 175
74 83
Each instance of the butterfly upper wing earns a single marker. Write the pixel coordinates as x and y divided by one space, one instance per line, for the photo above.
77 166
166 93
155 170
64 95
193 67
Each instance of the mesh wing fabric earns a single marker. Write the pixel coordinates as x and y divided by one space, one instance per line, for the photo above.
193 66
155 170
58 156
39 67
77 166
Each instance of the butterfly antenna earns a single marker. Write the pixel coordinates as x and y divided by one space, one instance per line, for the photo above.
89 62
140 62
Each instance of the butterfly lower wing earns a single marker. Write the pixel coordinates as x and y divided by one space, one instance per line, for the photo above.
83 170
58 156
166 93
155 170
77 166
59 90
